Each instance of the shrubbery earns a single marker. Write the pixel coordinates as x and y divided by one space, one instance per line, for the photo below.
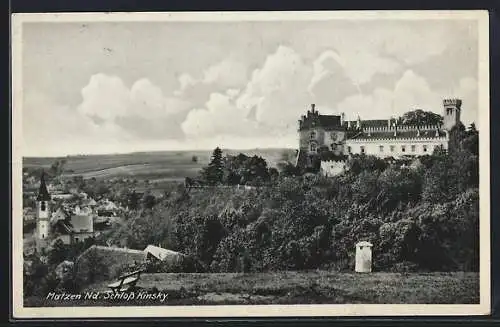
420 214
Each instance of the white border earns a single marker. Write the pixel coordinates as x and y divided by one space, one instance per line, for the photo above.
251 310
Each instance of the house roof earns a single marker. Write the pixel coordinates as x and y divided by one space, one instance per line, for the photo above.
81 223
160 253
43 194
76 224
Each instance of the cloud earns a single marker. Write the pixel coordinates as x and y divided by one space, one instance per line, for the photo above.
278 90
268 105
142 110
219 116
51 129
226 74
330 83
410 92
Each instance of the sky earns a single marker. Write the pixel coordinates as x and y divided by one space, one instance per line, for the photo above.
117 87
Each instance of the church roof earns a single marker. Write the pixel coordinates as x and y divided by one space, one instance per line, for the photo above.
43 194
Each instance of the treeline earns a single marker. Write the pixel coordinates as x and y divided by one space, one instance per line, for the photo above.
234 170
421 215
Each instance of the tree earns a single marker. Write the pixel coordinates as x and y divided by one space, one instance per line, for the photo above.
420 117
214 173
133 200
148 201
59 252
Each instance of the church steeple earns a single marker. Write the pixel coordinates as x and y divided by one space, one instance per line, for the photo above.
43 194
42 212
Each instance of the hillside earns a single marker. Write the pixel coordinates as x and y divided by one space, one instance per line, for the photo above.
154 166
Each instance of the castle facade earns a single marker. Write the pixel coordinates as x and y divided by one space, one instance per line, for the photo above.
327 137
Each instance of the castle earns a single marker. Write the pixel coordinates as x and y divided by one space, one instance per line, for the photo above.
325 138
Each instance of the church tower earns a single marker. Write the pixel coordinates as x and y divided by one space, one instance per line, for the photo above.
451 114
42 210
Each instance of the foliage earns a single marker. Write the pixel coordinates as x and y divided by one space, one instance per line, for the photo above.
214 172
420 214
420 117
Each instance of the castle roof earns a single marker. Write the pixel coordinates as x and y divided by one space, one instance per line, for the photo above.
400 134
329 121
372 123
43 194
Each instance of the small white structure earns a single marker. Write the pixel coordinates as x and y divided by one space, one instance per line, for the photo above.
363 257
332 168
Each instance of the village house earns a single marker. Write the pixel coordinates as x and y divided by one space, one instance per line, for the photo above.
157 253
76 229
330 137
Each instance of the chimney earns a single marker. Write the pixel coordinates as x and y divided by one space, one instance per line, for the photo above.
313 107
342 119
358 123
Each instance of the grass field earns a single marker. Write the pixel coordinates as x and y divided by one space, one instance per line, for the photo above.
154 166
314 287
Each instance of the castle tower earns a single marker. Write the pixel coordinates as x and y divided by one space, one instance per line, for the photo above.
451 113
42 211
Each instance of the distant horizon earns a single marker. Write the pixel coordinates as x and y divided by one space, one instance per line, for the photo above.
153 151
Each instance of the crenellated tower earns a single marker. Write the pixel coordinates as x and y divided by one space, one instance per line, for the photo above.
451 113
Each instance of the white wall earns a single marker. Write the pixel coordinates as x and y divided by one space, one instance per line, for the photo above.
372 147
43 229
332 168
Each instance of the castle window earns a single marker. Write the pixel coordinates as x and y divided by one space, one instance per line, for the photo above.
313 135
43 206
349 149
381 148
313 147
413 147
362 148
43 235
403 148
392 148
424 147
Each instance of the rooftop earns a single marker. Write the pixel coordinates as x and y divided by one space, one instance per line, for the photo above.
400 134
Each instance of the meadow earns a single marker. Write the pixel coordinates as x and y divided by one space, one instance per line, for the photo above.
153 166
304 287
